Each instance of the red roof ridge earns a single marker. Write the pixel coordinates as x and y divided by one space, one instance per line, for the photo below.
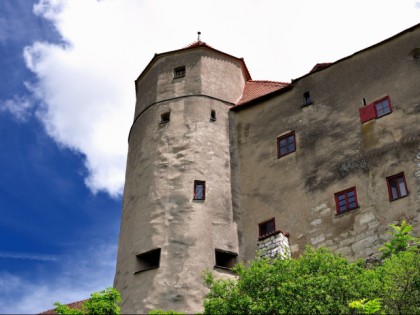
75 305
254 89
197 43
268 81
320 66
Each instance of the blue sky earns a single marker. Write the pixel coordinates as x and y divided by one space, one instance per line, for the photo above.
67 103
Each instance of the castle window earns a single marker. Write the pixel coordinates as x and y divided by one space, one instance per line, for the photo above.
346 200
397 186
307 99
164 118
383 107
179 72
266 228
376 109
286 144
148 260
225 259
213 115
199 190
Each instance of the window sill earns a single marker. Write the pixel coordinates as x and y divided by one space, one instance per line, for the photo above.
225 269
265 236
391 200
306 105
347 211
142 270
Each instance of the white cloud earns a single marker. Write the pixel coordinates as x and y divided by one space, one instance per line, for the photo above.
18 106
80 275
30 256
87 87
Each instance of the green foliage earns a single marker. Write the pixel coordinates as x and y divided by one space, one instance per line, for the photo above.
364 306
320 282
161 312
400 275
400 241
64 309
103 302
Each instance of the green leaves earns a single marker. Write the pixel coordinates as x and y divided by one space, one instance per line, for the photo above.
320 282
103 302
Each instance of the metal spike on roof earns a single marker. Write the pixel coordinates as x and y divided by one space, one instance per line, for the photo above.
198 36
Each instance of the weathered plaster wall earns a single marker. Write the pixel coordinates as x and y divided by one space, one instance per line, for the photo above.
334 152
207 72
163 162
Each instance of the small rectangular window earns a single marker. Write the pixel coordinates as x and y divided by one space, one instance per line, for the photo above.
286 144
266 228
164 118
383 107
397 186
213 115
179 72
199 190
225 259
346 200
148 260
307 99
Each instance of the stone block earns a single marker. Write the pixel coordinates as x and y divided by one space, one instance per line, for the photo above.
364 244
316 222
365 218
294 248
318 239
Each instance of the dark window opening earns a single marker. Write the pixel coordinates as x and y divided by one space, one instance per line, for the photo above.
199 190
213 115
148 260
397 186
307 99
286 144
346 200
266 228
225 259
164 118
179 72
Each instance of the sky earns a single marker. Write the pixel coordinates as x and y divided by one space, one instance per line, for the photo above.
67 100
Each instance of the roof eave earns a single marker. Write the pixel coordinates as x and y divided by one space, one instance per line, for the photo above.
262 98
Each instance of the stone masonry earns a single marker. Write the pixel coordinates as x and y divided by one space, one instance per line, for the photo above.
274 246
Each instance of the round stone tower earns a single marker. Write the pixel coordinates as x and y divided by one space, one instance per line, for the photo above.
177 218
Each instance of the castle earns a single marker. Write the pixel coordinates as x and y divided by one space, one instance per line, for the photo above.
221 166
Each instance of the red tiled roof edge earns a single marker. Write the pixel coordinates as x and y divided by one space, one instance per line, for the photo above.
257 89
320 66
76 305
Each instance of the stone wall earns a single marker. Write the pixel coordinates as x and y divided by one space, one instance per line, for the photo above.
364 240
274 246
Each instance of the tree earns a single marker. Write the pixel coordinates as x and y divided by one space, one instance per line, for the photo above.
103 302
318 282
322 282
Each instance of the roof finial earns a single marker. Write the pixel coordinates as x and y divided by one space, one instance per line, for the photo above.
198 36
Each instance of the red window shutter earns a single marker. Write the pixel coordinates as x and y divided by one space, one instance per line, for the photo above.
367 113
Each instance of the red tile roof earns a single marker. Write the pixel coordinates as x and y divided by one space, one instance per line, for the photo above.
320 66
254 89
76 305
198 44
